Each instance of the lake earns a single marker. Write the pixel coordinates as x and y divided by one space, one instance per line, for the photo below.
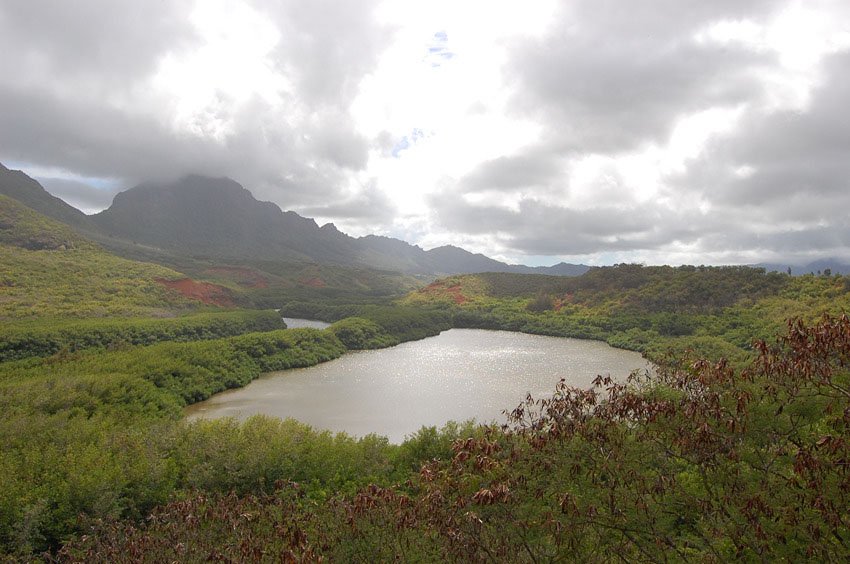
457 375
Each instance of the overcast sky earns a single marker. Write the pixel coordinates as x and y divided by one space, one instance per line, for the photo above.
595 131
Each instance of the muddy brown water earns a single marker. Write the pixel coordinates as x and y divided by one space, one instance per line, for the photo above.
458 375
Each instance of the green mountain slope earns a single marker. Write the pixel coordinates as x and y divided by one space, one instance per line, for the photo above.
216 217
198 217
17 185
47 269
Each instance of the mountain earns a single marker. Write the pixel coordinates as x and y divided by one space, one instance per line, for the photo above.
834 266
50 269
451 260
216 218
560 269
20 187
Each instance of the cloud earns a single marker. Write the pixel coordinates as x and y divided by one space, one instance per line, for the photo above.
660 130
775 186
674 129
87 43
514 172
608 79
538 228
79 194
368 205
785 174
256 91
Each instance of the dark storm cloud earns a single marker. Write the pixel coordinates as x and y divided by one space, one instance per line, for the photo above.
75 94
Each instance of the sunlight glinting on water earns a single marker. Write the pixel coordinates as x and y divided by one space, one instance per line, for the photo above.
457 375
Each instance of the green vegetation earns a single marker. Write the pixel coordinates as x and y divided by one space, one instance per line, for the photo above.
715 311
47 270
704 462
357 333
745 459
46 337
401 323
84 432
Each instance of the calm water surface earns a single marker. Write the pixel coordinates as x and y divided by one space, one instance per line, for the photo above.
457 375
293 323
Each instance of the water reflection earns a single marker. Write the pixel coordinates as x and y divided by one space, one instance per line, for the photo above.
457 375
295 323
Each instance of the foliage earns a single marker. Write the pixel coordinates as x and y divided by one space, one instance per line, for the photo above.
716 311
700 462
401 323
357 333
83 432
541 302
46 269
22 227
705 461
44 337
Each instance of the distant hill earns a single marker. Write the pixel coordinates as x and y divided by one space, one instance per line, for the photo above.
51 270
19 186
560 269
833 266
217 218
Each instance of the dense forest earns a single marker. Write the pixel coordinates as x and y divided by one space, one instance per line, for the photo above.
735 448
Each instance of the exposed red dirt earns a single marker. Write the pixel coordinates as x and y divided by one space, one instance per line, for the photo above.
439 288
202 291
313 282
247 277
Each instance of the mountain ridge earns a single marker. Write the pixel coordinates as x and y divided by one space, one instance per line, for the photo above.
207 217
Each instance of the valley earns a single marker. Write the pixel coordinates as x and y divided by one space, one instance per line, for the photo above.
114 324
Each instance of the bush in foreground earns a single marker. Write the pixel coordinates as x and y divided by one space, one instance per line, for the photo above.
703 462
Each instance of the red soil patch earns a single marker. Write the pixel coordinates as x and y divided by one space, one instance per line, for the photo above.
313 282
439 289
247 277
202 291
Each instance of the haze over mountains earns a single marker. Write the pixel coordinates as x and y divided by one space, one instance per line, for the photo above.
218 218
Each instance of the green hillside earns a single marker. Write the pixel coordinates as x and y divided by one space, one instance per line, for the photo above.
713 311
18 186
46 269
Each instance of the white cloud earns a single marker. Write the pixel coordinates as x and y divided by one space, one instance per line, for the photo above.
518 130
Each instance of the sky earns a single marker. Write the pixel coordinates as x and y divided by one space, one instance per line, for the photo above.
592 131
